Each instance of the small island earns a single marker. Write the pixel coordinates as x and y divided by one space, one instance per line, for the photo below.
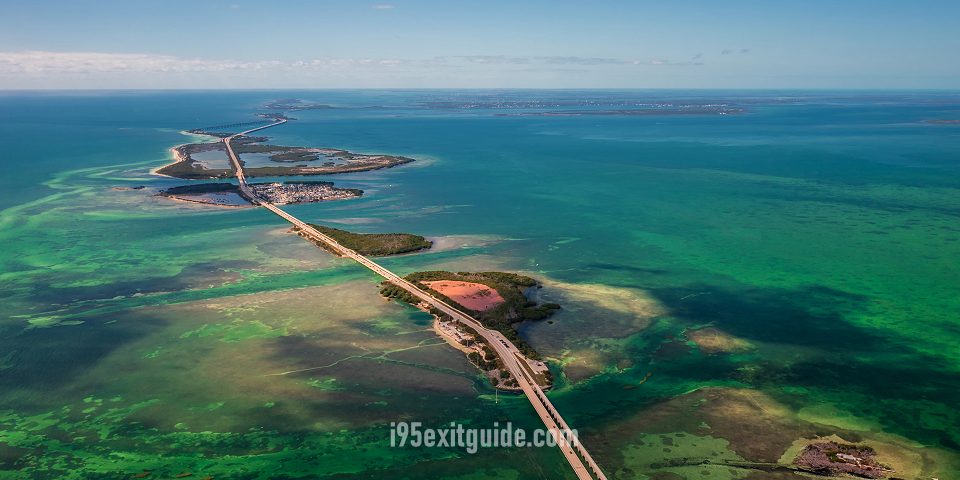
834 458
294 104
373 244
498 300
635 112
229 195
302 192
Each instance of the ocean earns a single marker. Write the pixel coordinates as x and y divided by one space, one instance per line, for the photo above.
740 272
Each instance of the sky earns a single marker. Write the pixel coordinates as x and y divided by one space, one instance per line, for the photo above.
218 44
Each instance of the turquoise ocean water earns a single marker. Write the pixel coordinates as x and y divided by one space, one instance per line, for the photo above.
814 235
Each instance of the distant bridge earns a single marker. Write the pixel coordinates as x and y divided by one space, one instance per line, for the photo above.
240 124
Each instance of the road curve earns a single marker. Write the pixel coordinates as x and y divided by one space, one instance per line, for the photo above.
580 460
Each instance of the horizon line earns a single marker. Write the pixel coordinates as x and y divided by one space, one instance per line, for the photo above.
302 89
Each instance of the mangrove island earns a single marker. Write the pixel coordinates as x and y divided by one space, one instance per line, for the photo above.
372 244
499 300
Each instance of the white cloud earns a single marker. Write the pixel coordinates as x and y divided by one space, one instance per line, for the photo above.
34 63
382 6
42 63
660 62
43 69
556 60
39 62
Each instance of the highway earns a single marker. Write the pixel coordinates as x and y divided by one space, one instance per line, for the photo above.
580 460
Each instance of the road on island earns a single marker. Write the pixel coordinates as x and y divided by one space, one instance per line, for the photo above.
580 460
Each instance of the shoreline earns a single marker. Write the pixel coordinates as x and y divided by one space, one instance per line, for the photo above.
440 331
177 158
441 328
197 202
175 151
184 167
281 193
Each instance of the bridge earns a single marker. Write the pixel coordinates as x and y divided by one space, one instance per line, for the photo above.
579 458
231 125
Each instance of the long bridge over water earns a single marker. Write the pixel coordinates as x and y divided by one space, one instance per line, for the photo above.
576 454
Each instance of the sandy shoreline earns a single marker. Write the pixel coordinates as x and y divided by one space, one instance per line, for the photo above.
198 202
177 158
450 339
175 151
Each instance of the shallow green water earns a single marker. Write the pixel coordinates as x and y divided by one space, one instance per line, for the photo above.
140 334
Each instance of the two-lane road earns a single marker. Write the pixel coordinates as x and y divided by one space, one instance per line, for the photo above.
238 167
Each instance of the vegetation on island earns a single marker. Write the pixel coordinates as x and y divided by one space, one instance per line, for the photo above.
516 307
308 160
390 290
328 168
200 188
185 167
375 244
295 156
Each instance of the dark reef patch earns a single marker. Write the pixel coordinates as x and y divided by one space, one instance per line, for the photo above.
856 361
793 316
58 355
191 276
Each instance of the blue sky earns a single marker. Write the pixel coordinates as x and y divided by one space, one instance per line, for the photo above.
551 44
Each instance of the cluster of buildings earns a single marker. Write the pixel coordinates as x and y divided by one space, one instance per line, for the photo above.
461 337
285 193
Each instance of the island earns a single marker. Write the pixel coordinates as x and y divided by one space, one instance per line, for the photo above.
302 192
209 160
657 110
834 458
372 244
294 104
499 300
229 195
